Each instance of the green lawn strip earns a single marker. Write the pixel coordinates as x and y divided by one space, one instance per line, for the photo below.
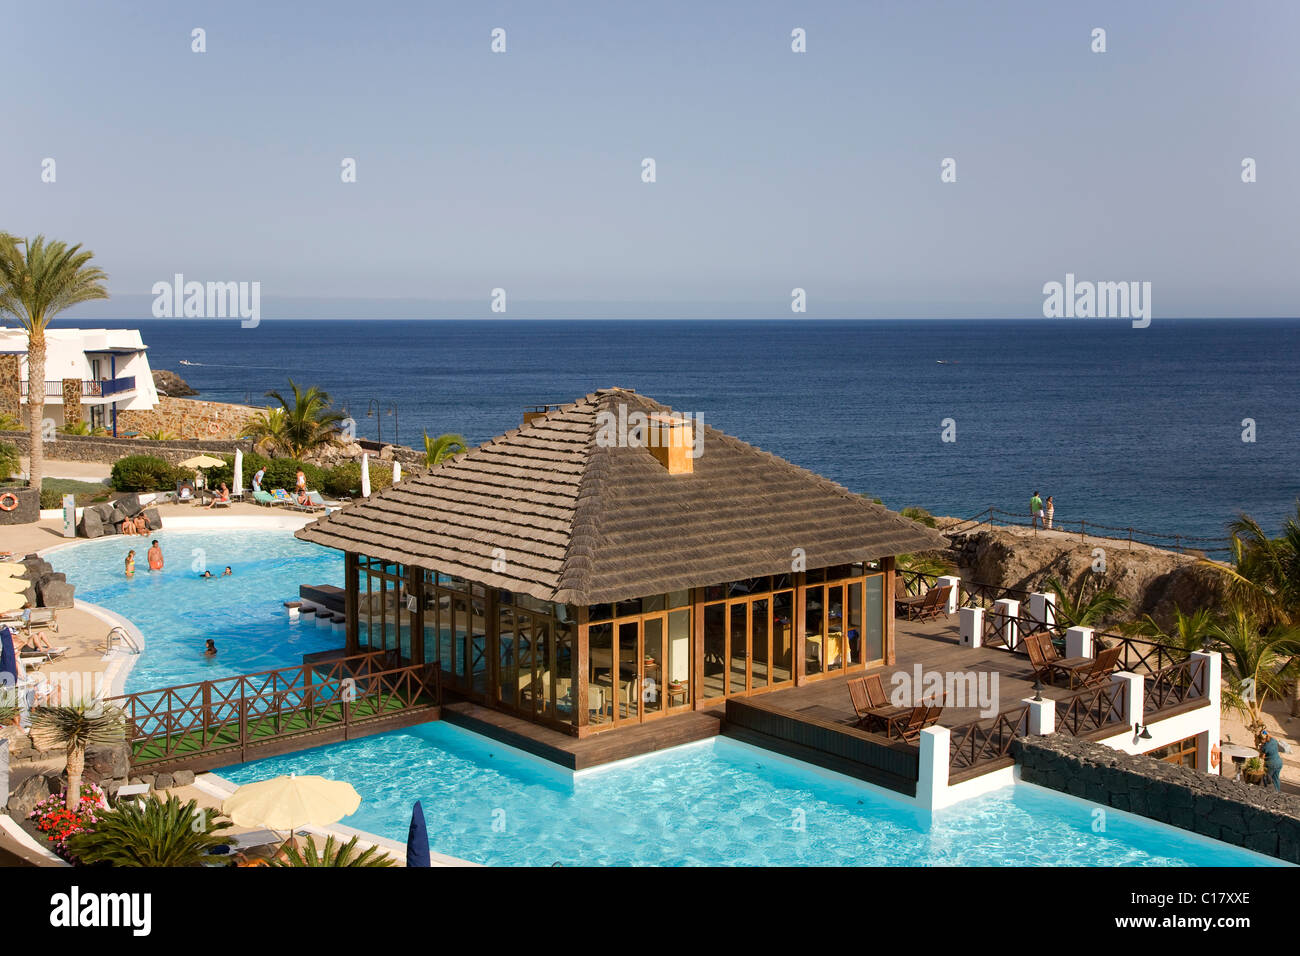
262 727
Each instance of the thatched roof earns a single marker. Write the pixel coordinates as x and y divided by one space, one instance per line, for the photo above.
578 522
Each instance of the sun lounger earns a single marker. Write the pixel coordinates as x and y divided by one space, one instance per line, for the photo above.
282 497
316 503
264 498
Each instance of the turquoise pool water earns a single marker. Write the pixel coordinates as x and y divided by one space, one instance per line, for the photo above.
719 803
177 611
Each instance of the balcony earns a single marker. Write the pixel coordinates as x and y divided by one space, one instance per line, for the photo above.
90 388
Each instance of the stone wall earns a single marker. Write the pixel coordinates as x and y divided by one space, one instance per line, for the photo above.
1257 818
71 401
109 450
10 403
187 418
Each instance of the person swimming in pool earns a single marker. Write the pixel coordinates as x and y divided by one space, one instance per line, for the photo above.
206 574
155 557
211 649
130 562
227 572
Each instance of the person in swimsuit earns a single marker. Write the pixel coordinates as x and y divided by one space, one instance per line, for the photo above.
206 574
155 557
211 649
227 572
130 562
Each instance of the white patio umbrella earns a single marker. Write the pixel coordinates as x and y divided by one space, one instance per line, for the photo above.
287 803
239 472
397 472
365 475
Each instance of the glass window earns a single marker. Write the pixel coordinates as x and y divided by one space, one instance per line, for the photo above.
782 637
564 681
679 658
875 619
814 631
600 680
679 598
715 650
656 602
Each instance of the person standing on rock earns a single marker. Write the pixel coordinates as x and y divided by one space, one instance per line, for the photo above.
1035 510
1050 511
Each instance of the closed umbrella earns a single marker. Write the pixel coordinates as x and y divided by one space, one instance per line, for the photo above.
8 659
239 472
417 838
397 472
365 475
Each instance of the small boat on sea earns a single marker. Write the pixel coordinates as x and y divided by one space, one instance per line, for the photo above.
186 362
947 362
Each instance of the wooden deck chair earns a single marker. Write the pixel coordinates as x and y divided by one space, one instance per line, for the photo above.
935 603
1044 669
1104 666
904 603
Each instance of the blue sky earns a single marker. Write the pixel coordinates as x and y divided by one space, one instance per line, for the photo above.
775 170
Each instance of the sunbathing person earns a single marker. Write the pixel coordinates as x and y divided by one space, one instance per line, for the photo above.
305 500
222 497
141 524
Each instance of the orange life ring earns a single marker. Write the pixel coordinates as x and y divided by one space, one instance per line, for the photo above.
8 501
214 427
1214 757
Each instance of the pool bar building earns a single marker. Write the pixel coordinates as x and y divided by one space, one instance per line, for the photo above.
613 562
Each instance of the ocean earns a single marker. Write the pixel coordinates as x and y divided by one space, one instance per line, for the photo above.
1125 427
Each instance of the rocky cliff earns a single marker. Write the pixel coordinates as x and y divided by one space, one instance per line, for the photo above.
171 384
1152 581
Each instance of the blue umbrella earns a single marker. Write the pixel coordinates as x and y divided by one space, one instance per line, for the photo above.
417 838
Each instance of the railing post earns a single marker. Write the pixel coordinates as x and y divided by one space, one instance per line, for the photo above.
954 585
1042 609
1006 611
934 745
972 626
207 710
1078 642
243 724
1042 717
1083 531
1133 687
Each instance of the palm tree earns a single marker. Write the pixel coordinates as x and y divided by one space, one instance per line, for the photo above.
1256 664
266 429
1265 572
157 834
333 854
73 728
1079 611
920 566
437 450
35 286
9 423
1189 633
309 422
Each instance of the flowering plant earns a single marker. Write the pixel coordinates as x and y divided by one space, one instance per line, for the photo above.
57 822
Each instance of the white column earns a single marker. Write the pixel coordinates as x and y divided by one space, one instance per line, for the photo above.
1042 717
1006 611
1042 607
1078 642
972 626
1132 708
1213 716
932 776
953 582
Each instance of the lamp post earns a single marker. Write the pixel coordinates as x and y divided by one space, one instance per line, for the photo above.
392 410
372 411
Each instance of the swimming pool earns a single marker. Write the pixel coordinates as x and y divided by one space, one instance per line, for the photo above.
718 803
177 611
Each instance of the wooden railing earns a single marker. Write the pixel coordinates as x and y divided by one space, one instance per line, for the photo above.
232 714
976 744
1175 685
1093 710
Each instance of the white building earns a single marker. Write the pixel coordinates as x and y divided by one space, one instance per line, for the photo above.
111 365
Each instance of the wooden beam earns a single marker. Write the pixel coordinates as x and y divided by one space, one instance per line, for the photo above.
581 658
887 606
351 581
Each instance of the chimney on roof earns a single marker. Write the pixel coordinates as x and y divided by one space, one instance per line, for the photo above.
671 441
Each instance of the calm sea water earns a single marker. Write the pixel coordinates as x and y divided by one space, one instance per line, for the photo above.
1125 427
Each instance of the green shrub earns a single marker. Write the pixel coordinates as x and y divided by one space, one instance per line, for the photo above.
50 499
146 473
345 479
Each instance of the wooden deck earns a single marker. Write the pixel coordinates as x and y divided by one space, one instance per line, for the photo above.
580 754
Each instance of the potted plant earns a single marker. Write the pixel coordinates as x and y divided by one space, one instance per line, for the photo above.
1253 771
